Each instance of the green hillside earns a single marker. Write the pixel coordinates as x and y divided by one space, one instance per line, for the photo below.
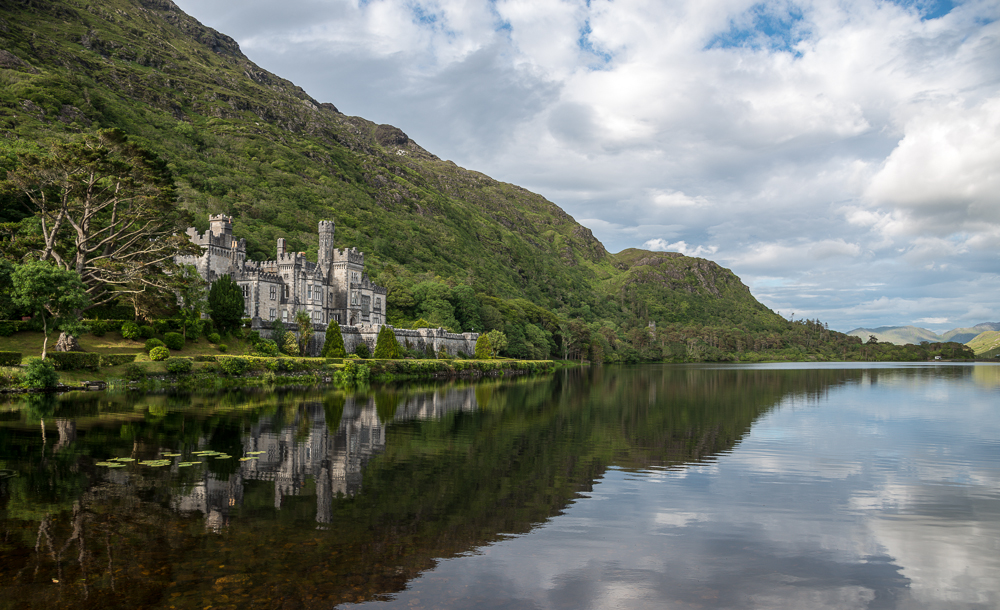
453 246
899 335
986 344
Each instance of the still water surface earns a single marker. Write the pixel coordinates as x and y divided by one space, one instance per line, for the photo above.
769 486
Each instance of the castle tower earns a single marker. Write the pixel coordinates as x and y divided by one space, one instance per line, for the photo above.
222 226
325 256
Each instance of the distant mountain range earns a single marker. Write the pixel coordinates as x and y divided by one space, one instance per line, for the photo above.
901 335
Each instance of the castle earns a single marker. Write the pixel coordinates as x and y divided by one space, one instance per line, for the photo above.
335 288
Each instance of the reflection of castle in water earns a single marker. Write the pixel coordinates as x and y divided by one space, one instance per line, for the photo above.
295 451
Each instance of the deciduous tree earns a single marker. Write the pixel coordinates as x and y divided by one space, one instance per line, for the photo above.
49 292
106 209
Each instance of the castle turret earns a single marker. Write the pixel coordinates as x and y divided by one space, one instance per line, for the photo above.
222 226
325 256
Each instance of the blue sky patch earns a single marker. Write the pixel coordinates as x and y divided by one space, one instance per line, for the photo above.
587 46
928 9
776 28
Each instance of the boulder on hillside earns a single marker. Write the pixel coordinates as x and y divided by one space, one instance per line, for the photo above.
67 343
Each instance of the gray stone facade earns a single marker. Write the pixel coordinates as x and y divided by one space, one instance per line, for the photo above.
333 288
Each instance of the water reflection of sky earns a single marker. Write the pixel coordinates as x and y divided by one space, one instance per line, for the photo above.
879 494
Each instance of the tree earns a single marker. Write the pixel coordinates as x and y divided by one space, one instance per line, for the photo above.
304 321
333 347
498 342
386 345
225 304
484 351
106 209
190 291
52 293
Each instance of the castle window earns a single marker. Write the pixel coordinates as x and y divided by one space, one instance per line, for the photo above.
378 304
273 315
274 293
285 291
284 316
310 292
246 291
319 295
366 305
354 298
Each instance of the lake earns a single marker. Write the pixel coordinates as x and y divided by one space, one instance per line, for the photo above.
654 486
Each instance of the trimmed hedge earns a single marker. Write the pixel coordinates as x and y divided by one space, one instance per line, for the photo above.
159 353
116 359
154 342
179 366
10 358
205 358
9 327
74 361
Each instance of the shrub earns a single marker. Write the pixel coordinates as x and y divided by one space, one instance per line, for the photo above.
154 342
214 338
7 328
484 350
290 345
205 358
179 366
98 328
10 358
74 361
362 350
159 353
174 341
234 365
225 304
130 330
134 371
40 373
222 347
116 359
146 332
266 348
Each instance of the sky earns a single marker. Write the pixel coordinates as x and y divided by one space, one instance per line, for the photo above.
841 157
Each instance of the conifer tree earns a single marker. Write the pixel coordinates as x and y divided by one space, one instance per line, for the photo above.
225 304
484 351
386 346
334 345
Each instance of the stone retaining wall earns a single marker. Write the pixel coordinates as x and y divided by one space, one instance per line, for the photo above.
419 339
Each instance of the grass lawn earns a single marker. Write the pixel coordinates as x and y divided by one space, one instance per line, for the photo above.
30 344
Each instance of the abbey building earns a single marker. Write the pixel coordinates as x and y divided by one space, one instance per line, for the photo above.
335 287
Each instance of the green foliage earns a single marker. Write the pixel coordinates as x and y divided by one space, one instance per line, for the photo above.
109 212
266 348
174 341
40 374
75 361
234 365
154 342
290 347
333 346
484 350
386 345
159 353
10 358
222 347
214 338
225 304
134 372
179 366
146 331
362 350
130 330
116 359
49 292
11 376
497 342
305 324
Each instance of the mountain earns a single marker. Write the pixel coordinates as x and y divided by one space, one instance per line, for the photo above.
986 344
244 142
901 335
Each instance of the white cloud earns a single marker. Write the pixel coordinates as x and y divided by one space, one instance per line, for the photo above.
661 245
